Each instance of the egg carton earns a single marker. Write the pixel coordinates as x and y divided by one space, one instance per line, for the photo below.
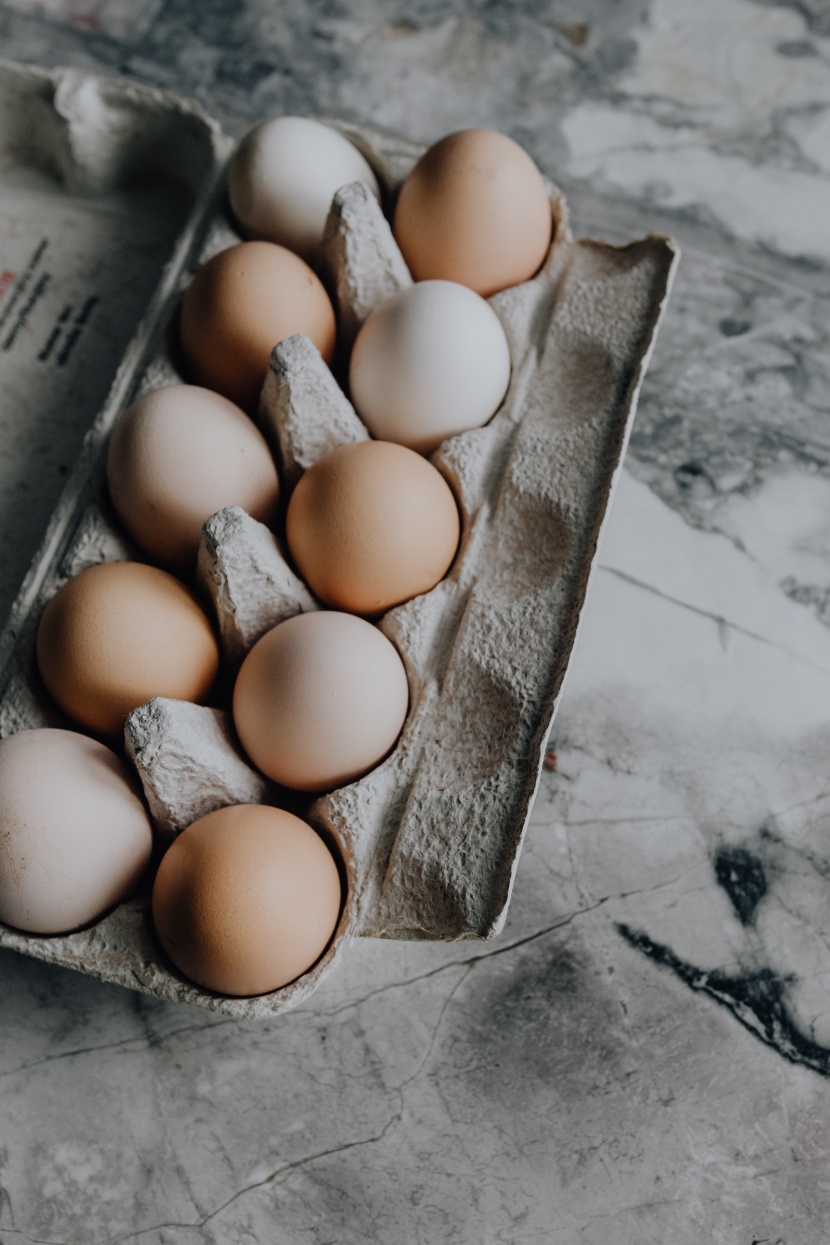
429 840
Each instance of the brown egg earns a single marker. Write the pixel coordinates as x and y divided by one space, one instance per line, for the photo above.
371 525
240 305
119 634
176 456
246 899
474 210
319 700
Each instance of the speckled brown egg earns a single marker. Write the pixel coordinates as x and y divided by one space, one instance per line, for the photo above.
240 305
371 525
119 634
474 210
246 900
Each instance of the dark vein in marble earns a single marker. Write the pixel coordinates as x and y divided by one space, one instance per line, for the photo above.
285 1169
437 1027
742 876
273 1177
716 618
484 956
686 605
137 1044
139 1040
756 1000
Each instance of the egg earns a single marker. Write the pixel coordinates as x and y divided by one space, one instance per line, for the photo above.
239 306
431 362
178 455
474 209
119 634
319 700
75 838
370 525
246 899
284 176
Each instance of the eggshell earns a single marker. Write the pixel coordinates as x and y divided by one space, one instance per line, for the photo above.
74 836
371 525
239 305
284 176
319 700
246 899
118 634
177 456
474 209
431 362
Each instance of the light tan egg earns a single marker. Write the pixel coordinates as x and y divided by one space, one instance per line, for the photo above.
371 525
178 455
240 305
474 210
320 700
119 634
246 899
75 837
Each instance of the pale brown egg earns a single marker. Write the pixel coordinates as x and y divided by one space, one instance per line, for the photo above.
240 305
474 210
178 455
246 899
371 525
319 700
119 634
75 837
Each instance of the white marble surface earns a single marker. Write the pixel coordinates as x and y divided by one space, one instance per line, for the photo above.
642 1056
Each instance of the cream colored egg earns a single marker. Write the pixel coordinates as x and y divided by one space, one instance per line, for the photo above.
119 634
431 362
246 899
74 835
178 455
284 176
319 700
371 525
239 306
474 209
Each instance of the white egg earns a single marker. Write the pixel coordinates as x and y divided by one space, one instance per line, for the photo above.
75 838
284 176
428 364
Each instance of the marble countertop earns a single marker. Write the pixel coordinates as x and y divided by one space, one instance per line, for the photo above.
642 1056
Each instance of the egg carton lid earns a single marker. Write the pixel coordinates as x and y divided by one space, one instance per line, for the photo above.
431 837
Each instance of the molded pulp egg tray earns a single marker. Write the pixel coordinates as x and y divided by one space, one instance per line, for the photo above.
431 837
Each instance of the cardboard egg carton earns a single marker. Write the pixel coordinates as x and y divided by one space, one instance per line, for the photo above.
430 838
